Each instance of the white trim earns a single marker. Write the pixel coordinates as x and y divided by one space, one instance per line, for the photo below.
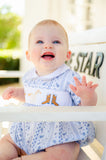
10 74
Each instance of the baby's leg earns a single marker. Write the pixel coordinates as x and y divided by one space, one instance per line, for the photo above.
8 149
68 151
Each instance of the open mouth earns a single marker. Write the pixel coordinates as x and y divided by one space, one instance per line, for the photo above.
48 56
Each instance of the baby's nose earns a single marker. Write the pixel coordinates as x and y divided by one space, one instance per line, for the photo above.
48 45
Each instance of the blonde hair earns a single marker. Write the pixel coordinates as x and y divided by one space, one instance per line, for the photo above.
50 22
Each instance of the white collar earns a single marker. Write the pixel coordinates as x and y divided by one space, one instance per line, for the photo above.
52 75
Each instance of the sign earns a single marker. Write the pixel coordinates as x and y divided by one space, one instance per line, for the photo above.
84 63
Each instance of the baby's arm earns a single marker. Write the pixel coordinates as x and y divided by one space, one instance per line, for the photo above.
12 92
86 91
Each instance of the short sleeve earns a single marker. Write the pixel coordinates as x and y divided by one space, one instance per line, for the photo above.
75 99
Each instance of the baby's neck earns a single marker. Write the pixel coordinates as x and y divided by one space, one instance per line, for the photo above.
44 73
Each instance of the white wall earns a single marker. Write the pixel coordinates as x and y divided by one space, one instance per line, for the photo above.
99 13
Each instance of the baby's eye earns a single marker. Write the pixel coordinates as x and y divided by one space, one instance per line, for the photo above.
39 41
56 42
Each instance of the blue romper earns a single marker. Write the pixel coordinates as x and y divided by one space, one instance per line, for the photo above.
49 90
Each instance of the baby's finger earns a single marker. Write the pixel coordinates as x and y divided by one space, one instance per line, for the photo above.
94 86
6 97
89 84
84 81
77 82
73 88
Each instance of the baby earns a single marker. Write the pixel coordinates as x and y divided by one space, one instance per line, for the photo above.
49 83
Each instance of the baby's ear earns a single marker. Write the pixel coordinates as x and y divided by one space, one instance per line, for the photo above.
68 55
27 55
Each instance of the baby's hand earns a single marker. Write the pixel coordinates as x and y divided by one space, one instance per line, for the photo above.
86 91
10 92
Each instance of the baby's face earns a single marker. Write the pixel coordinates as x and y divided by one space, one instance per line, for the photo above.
48 48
